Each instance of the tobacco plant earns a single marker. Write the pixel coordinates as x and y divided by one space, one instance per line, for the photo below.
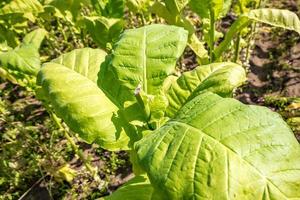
21 64
210 12
187 138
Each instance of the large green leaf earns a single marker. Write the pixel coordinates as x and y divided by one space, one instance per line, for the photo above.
219 148
35 37
84 61
25 7
274 17
24 59
71 90
138 188
220 78
22 6
143 56
104 30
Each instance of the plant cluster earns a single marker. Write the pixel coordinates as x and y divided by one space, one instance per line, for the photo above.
187 137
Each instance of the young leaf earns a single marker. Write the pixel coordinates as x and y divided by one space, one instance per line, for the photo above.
110 8
75 97
176 5
104 30
198 47
143 56
220 148
220 78
138 188
274 17
204 7
137 6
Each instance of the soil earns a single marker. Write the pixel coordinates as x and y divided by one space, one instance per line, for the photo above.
274 69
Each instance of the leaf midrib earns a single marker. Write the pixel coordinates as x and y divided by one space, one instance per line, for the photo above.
144 62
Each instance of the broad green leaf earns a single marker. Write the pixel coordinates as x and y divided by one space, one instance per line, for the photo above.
22 6
83 106
35 37
144 56
26 7
138 188
274 17
219 148
76 98
176 5
84 61
220 78
24 59
104 30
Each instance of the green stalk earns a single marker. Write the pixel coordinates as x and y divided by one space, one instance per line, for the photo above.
237 48
252 32
251 37
240 6
75 148
212 35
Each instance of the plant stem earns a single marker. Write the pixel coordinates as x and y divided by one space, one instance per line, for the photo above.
237 48
77 151
240 6
251 36
212 35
